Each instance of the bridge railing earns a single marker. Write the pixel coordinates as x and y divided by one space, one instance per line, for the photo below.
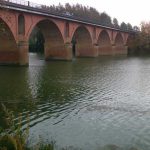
25 3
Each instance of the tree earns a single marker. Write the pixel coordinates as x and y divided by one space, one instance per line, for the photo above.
145 27
129 26
123 26
105 19
136 28
141 41
115 23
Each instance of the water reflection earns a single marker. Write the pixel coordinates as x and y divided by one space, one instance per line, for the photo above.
86 104
14 87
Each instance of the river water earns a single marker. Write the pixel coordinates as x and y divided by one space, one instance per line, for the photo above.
87 103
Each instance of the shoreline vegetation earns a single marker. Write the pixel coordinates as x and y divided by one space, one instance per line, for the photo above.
13 137
139 44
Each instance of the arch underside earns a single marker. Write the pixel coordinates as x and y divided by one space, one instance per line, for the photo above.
119 45
83 42
54 47
9 53
105 47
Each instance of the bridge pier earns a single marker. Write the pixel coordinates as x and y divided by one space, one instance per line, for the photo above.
95 50
120 50
63 52
106 50
69 51
87 51
23 47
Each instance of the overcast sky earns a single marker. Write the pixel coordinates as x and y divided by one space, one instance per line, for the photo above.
132 11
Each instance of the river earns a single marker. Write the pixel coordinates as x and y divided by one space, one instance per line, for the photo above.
87 103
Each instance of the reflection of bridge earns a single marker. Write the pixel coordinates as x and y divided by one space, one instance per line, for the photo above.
20 19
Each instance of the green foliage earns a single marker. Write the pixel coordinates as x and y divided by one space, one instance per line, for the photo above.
105 19
136 28
12 137
129 26
115 23
140 44
123 26
8 142
46 147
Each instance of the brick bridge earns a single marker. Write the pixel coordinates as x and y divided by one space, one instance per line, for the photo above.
21 18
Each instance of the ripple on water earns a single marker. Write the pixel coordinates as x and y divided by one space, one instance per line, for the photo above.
88 104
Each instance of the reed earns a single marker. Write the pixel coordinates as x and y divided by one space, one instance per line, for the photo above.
12 137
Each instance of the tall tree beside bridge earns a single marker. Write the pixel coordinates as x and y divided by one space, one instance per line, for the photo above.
123 26
140 44
115 23
105 19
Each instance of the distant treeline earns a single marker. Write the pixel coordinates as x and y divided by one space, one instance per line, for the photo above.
89 14
139 44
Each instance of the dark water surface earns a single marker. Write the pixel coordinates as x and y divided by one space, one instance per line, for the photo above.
84 104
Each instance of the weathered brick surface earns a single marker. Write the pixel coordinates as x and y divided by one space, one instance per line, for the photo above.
91 41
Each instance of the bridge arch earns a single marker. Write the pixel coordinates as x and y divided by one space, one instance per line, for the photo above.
9 52
104 43
119 44
41 19
21 24
52 41
82 42
119 39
